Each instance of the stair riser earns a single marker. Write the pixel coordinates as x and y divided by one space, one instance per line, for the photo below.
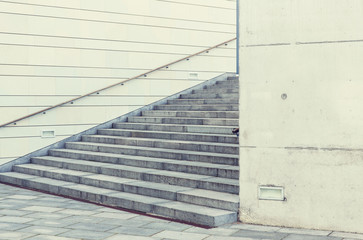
190 114
156 120
203 101
171 166
196 108
201 184
156 154
174 128
187 216
209 96
170 136
231 206
221 86
233 82
160 144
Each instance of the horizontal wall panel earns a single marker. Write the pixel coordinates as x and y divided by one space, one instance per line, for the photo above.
103 46
148 8
56 56
22 146
17 70
93 18
75 86
35 131
224 4
97 100
65 115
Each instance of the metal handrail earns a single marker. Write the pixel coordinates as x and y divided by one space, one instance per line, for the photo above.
115 84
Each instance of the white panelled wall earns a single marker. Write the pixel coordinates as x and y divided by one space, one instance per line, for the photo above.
301 102
53 51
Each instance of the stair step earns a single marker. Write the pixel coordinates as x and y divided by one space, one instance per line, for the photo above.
233 78
208 96
175 128
177 210
208 169
217 90
203 101
204 107
55 168
218 158
164 143
233 82
189 121
191 114
198 137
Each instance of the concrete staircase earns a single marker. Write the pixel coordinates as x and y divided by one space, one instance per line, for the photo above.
179 161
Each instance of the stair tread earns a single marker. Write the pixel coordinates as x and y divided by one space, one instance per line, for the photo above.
157 149
151 159
167 132
185 111
185 118
179 125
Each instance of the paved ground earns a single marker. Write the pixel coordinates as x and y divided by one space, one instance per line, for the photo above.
32 215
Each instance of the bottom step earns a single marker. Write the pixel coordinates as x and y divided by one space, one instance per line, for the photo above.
185 212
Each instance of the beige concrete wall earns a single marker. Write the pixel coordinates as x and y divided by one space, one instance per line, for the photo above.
311 142
53 51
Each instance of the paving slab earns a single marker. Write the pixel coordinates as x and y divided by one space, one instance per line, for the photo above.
13 212
12 226
86 235
254 227
115 215
22 197
214 231
53 222
99 227
44 230
347 235
42 215
10 235
12 219
124 222
180 235
135 231
42 209
169 225
304 231
128 237
49 237
309 237
260 235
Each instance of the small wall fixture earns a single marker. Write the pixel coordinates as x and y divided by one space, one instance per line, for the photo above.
271 193
193 75
48 134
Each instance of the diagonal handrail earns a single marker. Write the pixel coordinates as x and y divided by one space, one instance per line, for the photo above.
115 84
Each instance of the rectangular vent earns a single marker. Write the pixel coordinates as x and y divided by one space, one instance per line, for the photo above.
48 134
193 75
271 193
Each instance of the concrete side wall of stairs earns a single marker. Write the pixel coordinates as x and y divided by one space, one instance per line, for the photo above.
177 159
